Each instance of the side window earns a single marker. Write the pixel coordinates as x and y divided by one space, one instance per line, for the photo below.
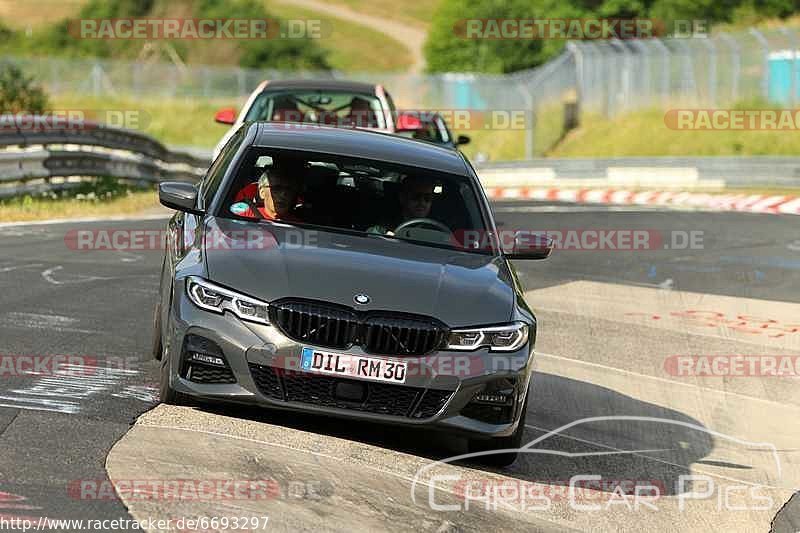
217 170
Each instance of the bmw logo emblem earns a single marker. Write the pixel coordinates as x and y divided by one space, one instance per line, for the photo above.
361 299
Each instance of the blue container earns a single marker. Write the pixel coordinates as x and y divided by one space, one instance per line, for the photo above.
780 77
462 92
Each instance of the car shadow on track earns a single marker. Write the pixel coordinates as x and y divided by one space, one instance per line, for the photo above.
619 438
623 440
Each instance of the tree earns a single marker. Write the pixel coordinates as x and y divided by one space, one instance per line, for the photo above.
19 93
448 49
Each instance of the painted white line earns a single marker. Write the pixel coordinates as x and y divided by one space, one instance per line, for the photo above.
64 408
665 380
40 321
12 268
48 276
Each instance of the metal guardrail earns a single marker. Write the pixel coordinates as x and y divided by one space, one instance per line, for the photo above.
648 172
49 157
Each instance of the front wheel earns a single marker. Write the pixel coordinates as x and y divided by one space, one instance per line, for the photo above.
158 343
167 394
512 442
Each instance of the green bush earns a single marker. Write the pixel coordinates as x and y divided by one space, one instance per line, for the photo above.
19 93
289 54
448 51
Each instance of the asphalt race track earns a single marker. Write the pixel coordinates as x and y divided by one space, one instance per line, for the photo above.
722 450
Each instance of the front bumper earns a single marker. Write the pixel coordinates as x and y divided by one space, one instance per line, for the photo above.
439 391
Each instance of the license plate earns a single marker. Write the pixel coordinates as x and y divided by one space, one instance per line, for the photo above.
355 366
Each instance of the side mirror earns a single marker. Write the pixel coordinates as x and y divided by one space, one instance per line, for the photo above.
461 140
179 196
226 116
528 245
408 122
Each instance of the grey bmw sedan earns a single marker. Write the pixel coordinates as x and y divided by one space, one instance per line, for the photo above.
347 273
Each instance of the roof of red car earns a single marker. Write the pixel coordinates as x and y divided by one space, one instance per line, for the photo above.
322 85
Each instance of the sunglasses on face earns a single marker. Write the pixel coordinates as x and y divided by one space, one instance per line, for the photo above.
280 190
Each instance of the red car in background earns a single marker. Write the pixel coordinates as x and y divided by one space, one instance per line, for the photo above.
334 103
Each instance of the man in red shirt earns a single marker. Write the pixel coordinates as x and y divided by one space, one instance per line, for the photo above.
276 200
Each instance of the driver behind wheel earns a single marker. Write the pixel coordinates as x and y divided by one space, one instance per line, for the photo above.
416 198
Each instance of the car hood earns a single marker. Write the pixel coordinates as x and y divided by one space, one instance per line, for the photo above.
274 261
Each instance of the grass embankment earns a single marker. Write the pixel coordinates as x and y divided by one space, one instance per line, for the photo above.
21 15
185 122
644 133
351 47
83 205
173 121
418 13
190 122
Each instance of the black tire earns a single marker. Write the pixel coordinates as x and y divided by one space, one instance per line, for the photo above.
167 394
513 441
158 343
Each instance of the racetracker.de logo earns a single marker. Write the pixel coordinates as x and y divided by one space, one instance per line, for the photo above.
593 239
733 119
144 240
557 29
150 29
24 365
733 366
197 489
174 489
75 119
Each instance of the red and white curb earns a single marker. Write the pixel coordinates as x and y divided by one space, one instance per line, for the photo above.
750 203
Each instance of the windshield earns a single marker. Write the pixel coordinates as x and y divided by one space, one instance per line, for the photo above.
332 108
431 130
357 195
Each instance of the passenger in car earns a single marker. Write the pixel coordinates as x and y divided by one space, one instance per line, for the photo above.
277 198
286 110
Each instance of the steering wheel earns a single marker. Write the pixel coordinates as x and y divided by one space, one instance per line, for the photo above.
422 222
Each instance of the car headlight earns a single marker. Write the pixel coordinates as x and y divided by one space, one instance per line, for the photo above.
508 338
211 297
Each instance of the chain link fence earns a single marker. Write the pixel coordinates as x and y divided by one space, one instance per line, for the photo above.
604 77
757 67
